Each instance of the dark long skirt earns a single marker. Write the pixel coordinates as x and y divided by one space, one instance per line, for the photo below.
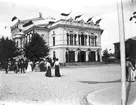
48 73
57 71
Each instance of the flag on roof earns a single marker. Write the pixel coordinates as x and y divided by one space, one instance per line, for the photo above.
78 16
64 14
27 24
134 13
89 19
14 18
98 21
130 18
102 31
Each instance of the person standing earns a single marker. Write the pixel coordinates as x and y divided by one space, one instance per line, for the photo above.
57 68
29 67
16 66
130 68
22 65
6 66
48 66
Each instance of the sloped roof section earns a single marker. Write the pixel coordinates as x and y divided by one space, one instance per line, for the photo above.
132 38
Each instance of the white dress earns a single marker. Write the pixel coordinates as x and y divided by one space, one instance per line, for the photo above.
29 67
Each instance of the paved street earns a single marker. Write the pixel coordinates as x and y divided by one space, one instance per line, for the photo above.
70 89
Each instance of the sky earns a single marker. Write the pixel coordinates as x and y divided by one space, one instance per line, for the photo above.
105 9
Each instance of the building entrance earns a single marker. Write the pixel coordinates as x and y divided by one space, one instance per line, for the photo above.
92 56
71 56
83 56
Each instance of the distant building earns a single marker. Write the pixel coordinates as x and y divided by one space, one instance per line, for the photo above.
68 40
130 47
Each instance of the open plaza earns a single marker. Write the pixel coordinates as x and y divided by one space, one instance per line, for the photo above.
79 85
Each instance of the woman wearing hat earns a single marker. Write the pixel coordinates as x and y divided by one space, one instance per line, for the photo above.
57 70
48 66
130 70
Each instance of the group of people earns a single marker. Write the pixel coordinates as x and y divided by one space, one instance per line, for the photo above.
48 68
24 65
130 69
15 65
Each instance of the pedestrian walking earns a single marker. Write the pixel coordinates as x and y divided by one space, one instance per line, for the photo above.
22 64
29 66
130 70
48 66
42 66
16 67
25 63
37 66
6 66
57 68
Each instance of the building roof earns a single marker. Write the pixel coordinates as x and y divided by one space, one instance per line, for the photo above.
32 19
132 38
20 33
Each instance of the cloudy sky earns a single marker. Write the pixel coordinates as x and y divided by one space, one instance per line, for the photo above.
105 9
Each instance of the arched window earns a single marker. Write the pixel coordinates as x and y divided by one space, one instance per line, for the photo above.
71 37
67 38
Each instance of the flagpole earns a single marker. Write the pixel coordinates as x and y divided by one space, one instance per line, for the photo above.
122 50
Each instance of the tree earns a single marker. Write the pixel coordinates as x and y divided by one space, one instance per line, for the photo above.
8 49
105 55
36 48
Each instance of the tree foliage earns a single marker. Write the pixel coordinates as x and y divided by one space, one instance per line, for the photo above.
8 49
105 55
36 48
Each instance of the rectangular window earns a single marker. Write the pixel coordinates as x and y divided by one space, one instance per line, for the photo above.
79 39
67 39
53 41
75 39
71 39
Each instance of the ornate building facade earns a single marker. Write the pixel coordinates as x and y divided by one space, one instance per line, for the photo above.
68 40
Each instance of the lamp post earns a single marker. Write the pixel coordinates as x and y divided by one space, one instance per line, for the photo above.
122 50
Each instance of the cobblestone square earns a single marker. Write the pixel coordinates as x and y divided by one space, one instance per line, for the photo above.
70 89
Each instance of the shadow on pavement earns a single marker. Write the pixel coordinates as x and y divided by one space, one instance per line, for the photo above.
131 94
96 82
128 91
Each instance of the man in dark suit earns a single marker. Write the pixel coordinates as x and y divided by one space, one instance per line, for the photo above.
22 65
6 66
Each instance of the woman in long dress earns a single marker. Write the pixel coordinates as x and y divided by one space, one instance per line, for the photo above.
29 67
48 66
131 72
57 68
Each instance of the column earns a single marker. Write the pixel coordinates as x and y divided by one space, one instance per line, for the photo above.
95 40
87 56
77 43
80 40
76 56
100 55
96 56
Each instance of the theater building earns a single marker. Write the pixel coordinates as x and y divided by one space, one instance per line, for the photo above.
68 40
